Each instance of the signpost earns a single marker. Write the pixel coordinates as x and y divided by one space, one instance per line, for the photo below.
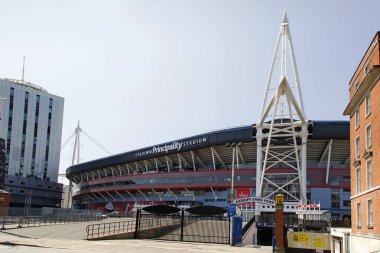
279 199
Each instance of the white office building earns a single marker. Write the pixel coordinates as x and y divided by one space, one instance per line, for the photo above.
31 125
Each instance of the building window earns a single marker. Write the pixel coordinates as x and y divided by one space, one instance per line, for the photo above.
358 180
335 198
357 147
346 179
369 173
367 68
346 203
370 213
48 140
368 133
308 195
9 134
37 112
357 118
368 105
356 84
335 180
358 215
24 125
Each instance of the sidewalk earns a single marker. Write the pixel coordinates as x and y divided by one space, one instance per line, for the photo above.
70 238
10 243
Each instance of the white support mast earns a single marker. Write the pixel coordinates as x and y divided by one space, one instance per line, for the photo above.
76 154
282 128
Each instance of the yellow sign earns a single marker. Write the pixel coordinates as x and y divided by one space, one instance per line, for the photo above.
319 242
279 199
299 237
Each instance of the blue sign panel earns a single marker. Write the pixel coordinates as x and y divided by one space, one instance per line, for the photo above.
237 230
231 210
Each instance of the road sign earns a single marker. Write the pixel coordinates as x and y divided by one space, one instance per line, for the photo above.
279 199
231 210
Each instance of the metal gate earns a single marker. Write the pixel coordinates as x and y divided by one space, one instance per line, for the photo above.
207 224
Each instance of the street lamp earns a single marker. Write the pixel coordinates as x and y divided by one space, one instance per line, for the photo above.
234 154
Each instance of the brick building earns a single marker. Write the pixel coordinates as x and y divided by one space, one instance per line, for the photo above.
364 112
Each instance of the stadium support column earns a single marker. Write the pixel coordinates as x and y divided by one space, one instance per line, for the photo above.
282 127
259 139
304 134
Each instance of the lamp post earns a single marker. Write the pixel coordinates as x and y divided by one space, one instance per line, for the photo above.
235 155
232 197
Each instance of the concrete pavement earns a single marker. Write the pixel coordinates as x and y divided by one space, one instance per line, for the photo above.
13 244
70 238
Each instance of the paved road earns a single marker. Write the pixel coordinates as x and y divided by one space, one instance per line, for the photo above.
12 244
70 238
71 231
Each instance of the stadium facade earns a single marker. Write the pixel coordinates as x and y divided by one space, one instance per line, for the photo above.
307 161
197 171
31 125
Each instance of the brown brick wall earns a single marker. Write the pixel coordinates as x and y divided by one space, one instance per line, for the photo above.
373 55
374 119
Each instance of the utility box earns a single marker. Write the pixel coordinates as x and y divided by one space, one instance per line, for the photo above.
237 230
4 203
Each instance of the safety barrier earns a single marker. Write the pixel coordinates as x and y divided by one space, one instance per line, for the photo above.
19 222
113 228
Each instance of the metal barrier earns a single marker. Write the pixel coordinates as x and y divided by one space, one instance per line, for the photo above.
19 222
113 228
189 228
46 211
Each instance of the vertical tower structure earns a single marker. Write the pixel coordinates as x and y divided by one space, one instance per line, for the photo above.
282 128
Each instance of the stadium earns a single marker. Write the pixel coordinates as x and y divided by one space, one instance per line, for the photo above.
197 171
307 161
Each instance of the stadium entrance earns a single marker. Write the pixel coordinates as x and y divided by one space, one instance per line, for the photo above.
207 224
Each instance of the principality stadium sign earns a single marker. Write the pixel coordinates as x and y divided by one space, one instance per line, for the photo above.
255 200
175 145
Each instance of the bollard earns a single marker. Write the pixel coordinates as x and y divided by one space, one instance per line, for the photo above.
3 227
20 223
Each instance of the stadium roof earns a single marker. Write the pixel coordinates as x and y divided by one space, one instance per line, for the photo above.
319 132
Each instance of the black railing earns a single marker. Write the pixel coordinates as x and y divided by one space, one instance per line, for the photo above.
114 228
19 222
185 226
46 211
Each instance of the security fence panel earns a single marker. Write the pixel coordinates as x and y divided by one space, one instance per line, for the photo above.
205 224
207 229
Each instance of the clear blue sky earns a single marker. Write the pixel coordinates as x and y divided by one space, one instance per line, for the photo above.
138 73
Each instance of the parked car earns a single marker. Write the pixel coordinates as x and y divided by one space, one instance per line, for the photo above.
101 215
114 214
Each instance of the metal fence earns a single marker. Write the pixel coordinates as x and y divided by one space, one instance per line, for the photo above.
45 211
178 226
182 226
19 222
113 228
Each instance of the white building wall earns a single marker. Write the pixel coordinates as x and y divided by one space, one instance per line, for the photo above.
17 129
365 243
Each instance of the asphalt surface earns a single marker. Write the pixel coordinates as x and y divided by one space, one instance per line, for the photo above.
70 238
70 231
